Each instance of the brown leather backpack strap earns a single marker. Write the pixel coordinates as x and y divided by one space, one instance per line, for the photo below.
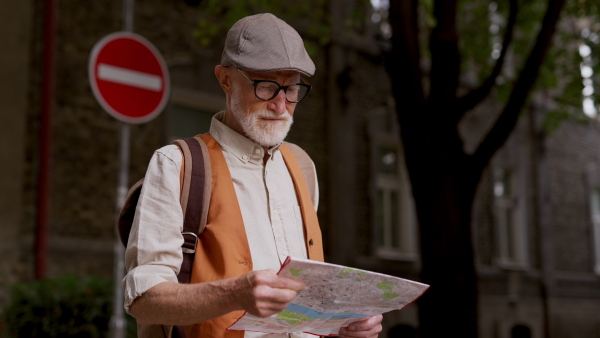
181 175
192 201
195 193
207 183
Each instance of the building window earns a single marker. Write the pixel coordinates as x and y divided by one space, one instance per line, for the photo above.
394 216
510 230
393 211
388 202
595 215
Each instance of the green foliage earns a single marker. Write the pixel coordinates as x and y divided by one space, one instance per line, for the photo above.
61 307
561 73
475 20
559 76
527 26
311 17
427 6
475 40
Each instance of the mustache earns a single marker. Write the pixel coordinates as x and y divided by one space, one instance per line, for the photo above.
271 115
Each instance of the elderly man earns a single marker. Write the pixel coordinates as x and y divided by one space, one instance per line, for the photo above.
256 218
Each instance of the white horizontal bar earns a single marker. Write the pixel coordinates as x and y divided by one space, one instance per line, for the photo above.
129 77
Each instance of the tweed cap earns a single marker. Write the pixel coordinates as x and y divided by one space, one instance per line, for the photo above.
265 43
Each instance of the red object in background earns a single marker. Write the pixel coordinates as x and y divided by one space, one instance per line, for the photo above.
45 141
129 77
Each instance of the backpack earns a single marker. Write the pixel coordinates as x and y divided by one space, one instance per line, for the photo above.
196 181
195 189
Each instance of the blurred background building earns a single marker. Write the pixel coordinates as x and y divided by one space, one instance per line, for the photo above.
536 220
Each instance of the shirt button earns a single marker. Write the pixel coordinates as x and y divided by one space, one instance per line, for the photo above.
245 157
257 151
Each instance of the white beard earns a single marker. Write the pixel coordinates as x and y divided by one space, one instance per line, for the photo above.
266 133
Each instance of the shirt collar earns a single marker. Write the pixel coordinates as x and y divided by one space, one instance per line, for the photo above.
236 144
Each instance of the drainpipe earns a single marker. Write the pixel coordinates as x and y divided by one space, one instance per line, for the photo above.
45 146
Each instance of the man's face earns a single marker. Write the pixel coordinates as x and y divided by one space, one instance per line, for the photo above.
265 122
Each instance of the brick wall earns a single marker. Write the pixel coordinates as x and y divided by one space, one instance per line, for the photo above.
570 150
86 139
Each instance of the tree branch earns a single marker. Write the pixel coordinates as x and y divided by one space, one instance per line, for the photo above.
445 57
403 61
475 97
508 119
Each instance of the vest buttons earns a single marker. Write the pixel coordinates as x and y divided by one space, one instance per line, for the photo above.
311 242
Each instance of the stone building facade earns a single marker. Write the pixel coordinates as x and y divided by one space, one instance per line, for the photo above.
537 262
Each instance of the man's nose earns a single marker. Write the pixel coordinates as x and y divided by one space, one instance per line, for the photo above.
277 104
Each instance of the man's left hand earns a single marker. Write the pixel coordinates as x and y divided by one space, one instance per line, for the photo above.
365 328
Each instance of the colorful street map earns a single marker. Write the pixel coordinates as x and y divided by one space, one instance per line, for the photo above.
335 296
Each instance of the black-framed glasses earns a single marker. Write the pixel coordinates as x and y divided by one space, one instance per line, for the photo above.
267 90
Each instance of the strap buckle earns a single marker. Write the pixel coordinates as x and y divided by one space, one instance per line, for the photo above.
189 244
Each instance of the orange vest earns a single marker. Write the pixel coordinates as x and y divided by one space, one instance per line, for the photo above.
222 251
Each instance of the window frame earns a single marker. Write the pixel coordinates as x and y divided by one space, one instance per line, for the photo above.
594 197
510 225
407 249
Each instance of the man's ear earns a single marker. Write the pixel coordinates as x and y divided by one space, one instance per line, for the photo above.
224 78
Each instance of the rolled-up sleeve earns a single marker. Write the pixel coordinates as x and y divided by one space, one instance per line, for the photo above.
153 254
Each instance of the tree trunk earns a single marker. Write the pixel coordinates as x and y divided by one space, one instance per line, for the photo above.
443 177
449 307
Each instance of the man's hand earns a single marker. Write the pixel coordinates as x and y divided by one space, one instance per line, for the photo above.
260 293
365 328
264 293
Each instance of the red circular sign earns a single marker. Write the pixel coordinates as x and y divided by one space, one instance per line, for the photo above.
129 77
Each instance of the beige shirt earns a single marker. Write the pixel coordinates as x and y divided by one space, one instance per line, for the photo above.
267 200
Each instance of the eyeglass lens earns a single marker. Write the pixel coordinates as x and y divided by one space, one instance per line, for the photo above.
268 90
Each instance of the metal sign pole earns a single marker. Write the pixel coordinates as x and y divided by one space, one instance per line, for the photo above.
117 321
128 15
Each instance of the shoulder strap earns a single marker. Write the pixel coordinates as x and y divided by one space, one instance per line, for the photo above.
195 190
306 166
195 184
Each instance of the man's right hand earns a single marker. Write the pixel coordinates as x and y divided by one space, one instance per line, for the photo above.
264 293
260 293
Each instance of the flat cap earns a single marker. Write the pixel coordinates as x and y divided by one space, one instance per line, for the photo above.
265 43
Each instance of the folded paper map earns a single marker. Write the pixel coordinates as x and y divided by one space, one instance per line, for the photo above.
335 296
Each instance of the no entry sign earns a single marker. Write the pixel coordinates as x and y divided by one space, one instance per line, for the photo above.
129 77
